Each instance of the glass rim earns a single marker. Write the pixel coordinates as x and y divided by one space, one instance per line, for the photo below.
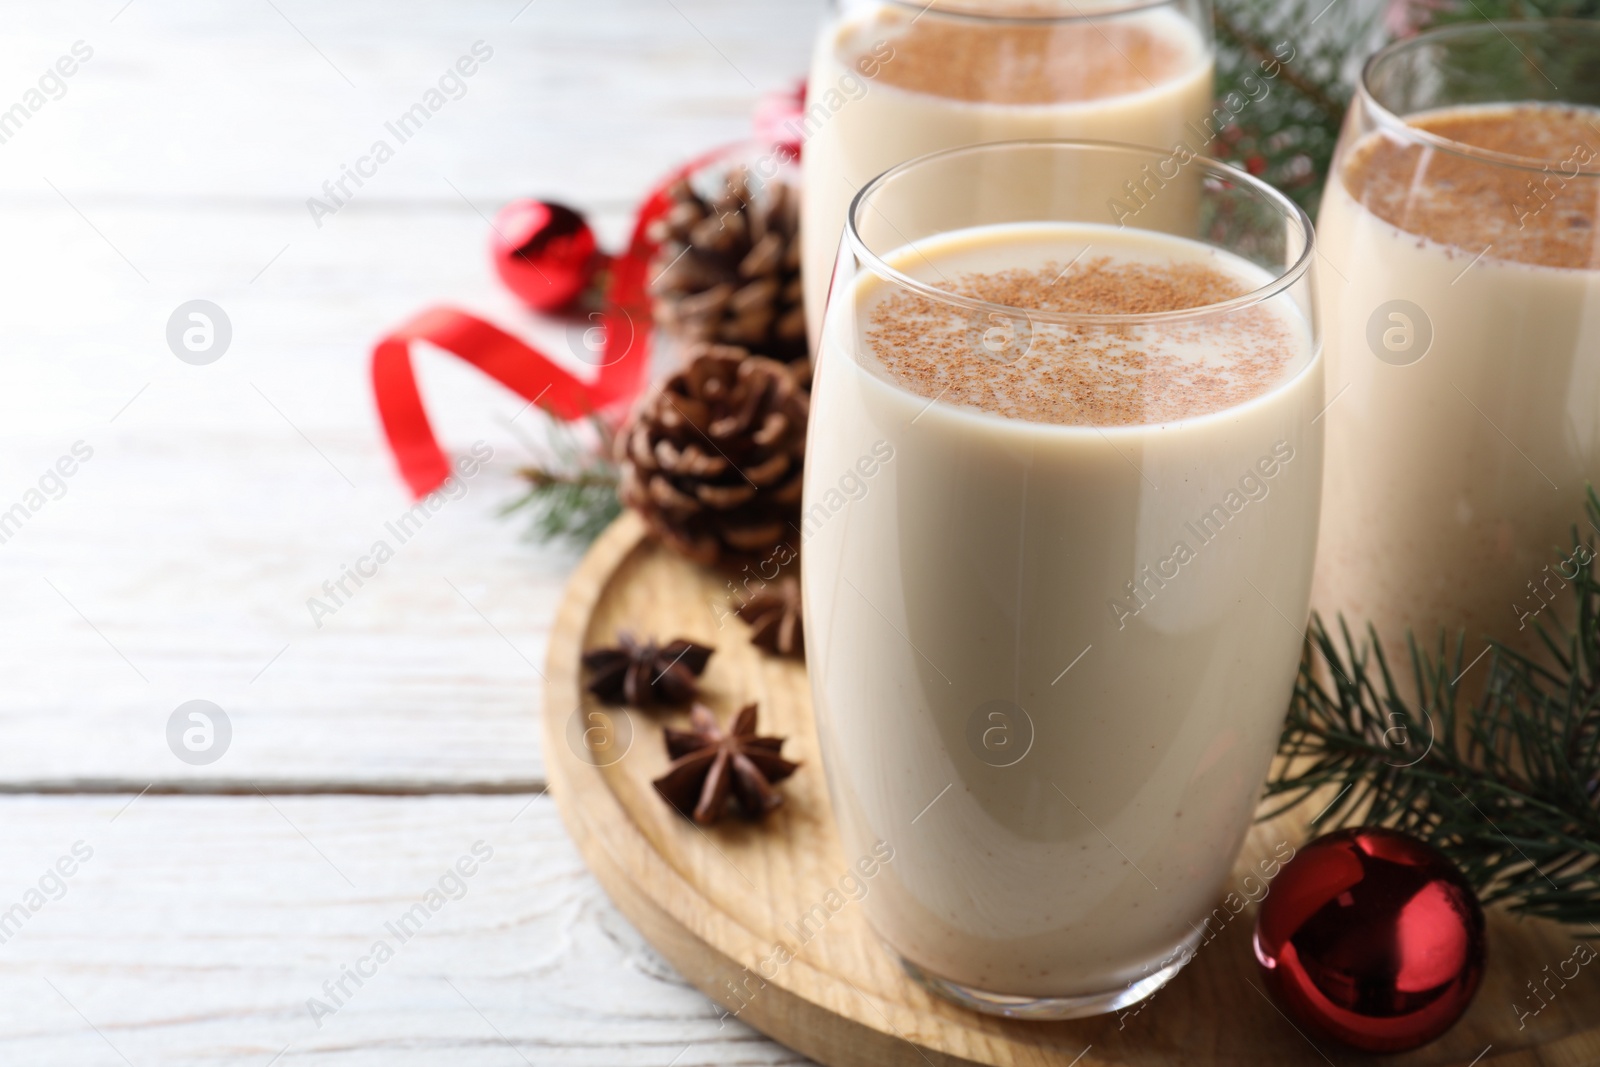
1397 124
1286 279
922 7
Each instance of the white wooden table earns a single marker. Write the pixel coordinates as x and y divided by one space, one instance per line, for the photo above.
371 754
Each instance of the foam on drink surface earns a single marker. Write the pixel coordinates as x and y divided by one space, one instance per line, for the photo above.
1023 62
1085 373
1544 212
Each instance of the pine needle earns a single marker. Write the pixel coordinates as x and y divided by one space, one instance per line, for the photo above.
1284 77
1504 783
572 491
1284 127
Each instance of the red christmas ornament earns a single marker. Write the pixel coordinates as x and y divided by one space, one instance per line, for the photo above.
1372 938
544 252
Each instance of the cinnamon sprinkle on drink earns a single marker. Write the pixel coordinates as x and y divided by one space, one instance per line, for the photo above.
1085 374
1021 63
1545 211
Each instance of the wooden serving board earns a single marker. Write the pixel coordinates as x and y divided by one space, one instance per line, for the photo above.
716 902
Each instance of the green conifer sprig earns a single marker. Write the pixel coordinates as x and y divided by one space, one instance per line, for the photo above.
1283 72
1502 775
572 490
1287 134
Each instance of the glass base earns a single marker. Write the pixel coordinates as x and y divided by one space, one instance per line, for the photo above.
1047 1008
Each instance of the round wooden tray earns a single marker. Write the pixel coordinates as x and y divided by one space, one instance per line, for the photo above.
716 902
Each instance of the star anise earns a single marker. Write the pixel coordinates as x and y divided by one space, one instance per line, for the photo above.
643 673
709 763
774 618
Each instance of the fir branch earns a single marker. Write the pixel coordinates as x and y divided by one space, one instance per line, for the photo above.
572 495
1287 135
1504 782
1289 63
1331 103
1478 10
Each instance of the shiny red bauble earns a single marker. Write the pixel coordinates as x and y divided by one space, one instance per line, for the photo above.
544 252
1372 938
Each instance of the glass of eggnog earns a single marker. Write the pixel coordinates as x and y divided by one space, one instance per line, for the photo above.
1060 510
895 79
1461 231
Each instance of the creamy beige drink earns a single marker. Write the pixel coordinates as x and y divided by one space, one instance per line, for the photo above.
1052 642
1463 319
890 83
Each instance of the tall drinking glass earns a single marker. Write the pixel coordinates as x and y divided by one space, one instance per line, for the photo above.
1059 517
1461 228
895 79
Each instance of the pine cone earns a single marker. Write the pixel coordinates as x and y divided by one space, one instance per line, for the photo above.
728 268
713 458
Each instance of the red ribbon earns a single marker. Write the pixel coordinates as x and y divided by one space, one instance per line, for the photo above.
528 372
517 365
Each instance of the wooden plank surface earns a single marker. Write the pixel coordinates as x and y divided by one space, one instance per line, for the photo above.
179 562
199 928
173 164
